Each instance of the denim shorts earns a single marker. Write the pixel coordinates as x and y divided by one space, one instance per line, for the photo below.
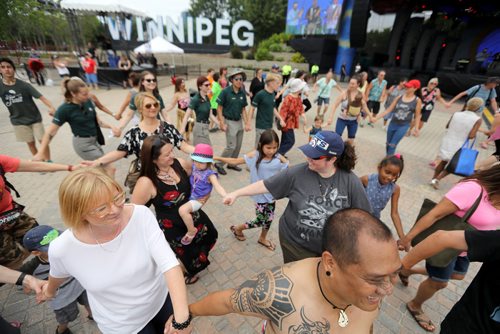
459 265
323 100
91 78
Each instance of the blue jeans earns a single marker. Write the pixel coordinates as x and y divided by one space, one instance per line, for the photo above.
287 141
395 133
352 127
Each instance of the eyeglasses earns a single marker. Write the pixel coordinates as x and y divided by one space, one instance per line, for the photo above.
151 105
238 79
150 80
105 209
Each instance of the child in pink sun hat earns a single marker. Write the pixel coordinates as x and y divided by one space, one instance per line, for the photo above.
203 179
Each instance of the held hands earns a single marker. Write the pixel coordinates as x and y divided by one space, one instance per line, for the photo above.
38 157
282 123
404 244
248 127
117 132
117 116
52 112
44 295
87 163
223 127
229 199
30 283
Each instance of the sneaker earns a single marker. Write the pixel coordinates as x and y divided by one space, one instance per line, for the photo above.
220 169
370 124
435 184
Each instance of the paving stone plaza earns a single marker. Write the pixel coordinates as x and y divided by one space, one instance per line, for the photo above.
234 261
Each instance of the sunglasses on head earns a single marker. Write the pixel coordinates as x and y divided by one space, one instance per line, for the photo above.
150 105
150 80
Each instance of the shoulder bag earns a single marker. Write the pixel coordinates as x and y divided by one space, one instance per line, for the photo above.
448 223
463 160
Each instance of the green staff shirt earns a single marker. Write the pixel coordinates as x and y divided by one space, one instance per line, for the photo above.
232 103
81 118
264 102
201 107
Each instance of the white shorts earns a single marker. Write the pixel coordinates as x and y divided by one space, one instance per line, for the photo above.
195 205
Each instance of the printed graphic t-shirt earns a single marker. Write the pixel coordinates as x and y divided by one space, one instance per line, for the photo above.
18 98
310 205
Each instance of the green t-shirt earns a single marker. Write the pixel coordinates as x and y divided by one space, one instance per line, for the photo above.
232 103
216 89
265 103
201 107
18 98
81 118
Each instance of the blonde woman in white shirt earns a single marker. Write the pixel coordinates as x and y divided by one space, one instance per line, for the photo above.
118 253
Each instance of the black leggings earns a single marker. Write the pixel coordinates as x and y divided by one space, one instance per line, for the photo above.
307 104
157 324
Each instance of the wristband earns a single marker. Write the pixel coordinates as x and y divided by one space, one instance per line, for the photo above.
20 279
70 168
183 325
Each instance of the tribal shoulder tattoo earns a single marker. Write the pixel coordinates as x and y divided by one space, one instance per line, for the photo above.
267 294
309 326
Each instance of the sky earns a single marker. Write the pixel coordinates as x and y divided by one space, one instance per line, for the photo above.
172 8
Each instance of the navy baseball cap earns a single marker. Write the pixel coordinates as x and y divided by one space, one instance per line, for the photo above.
324 143
39 238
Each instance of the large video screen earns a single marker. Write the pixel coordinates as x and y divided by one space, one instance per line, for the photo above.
313 17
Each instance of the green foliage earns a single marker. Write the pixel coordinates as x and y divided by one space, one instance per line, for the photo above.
377 41
280 59
275 47
236 52
297 57
250 55
263 54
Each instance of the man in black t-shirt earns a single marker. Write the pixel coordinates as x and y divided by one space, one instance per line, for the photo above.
478 311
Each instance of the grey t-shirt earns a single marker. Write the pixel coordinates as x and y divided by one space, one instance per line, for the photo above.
311 204
67 293
18 98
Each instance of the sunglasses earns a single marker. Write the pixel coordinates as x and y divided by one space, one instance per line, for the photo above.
150 80
320 158
238 79
206 85
151 105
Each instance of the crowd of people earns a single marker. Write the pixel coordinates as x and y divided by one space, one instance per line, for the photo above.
331 278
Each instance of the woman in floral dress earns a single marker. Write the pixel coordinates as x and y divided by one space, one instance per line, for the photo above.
164 182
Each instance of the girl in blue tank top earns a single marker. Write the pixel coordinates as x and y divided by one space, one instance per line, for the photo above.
263 163
381 187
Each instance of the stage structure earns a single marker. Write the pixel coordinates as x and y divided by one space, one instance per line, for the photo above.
427 38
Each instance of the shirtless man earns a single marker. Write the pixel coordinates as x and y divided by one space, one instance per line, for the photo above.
338 293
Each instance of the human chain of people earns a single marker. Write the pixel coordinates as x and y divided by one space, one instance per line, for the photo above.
331 279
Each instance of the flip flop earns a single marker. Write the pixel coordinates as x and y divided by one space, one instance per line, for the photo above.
270 245
191 279
422 319
403 278
240 236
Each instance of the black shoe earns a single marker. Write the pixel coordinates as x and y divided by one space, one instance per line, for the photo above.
214 129
236 168
220 170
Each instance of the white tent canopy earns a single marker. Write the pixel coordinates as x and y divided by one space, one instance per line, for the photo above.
96 6
158 45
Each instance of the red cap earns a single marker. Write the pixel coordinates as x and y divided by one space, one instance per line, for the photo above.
413 84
